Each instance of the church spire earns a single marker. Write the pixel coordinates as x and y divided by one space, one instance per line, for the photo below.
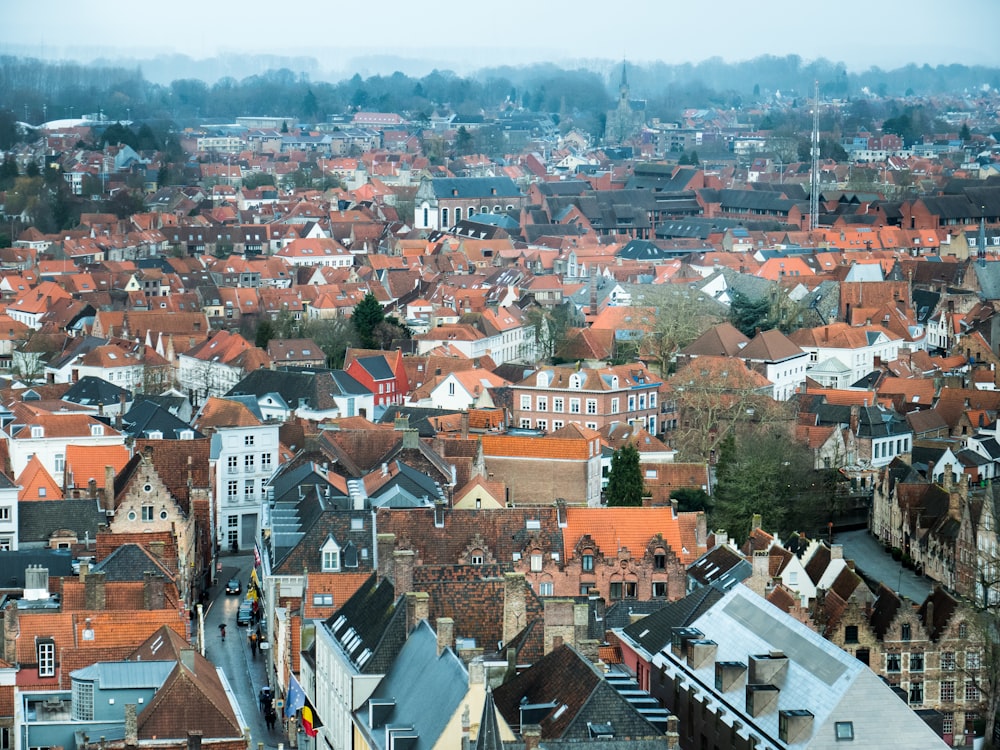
623 86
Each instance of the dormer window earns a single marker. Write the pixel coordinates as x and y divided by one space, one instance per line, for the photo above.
46 652
96 430
576 381
330 554
37 431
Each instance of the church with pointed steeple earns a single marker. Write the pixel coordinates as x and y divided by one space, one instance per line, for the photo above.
628 118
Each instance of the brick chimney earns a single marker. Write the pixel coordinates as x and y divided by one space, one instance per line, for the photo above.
465 425
514 613
532 735
109 488
418 607
385 543
93 591
445 634
402 570
152 591
855 418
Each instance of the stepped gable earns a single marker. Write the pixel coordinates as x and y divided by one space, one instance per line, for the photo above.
473 596
499 532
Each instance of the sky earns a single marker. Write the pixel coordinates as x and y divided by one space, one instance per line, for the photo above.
466 36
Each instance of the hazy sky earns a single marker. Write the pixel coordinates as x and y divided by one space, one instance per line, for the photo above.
465 36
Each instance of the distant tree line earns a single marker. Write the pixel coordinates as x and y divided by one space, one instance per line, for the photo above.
35 90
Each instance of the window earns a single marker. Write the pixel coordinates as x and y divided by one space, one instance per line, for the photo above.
476 558
616 590
642 400
851 634
542 403
331 559
248 487
451 387
525 423
526 403
947 723
591 406
557 424
96 430
248 440
557 404
630 589
843 730
545 588
574 406
232 463
265 461
83 701
971 692
60 463
588 562
46 651
892 663
659 589
536 562
147 512
947 661
4 512
652 400
963 630
917 661
614 406
322 600
542 424
248 462
948 691
972 660
660 561
905 631
631 403
231 489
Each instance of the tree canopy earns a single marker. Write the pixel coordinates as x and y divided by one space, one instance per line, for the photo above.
366 318
625 485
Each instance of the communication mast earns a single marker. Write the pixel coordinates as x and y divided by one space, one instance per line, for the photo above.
814 172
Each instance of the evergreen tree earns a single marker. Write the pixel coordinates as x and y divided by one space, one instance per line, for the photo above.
748 314
367 316
625 480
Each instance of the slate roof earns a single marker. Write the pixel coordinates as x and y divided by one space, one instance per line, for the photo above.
93 391
130 562
13 564
378 618
377 367
300 527
655 631
147 416
571 695
426 711
474 187
39 519
722 567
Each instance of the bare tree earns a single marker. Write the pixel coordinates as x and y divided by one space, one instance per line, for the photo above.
682 315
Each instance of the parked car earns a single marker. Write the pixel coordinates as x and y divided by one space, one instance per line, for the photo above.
245 613
233 586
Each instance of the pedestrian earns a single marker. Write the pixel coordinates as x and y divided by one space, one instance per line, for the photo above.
270 719
222 631
265 699
253 644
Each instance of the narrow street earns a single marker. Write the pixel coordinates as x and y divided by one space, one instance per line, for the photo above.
246 675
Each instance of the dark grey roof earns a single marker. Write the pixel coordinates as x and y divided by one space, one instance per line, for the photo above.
722 567
622 614
13 564
38 520
347 384
146 416
377 367
474 187
418 486
295 387
130 562
655 631
426 689
418 417
378 619
94 391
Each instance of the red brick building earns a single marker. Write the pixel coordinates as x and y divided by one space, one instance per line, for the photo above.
382 373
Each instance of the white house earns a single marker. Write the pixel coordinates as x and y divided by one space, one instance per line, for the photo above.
243 458
856 347
464 390
35 432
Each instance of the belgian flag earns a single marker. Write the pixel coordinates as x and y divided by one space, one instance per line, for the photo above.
310 721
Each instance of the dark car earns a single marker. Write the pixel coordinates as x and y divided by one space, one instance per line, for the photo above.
233 586
245 612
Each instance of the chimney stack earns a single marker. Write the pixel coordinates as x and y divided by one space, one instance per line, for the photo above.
402 570
94 596
445 634
514 613
109 489
131 726
465 425
418 607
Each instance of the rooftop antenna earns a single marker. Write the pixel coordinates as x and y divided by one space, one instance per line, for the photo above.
814 173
